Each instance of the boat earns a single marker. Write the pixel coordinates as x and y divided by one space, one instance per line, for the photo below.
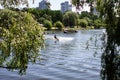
70 31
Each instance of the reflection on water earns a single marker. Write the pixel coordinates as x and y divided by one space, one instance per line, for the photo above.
72 58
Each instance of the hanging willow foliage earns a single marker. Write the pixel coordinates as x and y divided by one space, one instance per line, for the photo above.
80 3
21 38
14 3
110 60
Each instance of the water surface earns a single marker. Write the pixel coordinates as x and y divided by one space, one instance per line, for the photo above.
75 56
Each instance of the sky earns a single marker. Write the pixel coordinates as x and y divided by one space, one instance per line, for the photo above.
55 4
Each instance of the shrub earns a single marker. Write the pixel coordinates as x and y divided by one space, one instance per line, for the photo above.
59 25
90 22
47 24
83 23
98 23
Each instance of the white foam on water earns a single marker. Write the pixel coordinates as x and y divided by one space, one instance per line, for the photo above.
64 39
61 39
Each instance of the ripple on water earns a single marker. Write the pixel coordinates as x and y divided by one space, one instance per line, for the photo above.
64 60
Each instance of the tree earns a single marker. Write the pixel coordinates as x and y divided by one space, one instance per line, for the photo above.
55 16
88 14
110 11
79 4
89 21
110 60
98 23
70 19
59 25
91 17
83 23
21 39
41 15
47 17
13 3
47 24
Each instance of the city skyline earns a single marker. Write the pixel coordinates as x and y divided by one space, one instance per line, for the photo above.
66 6
55 4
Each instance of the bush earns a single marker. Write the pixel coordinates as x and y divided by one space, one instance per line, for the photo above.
98 23
59 25
47 24
83 23
90 22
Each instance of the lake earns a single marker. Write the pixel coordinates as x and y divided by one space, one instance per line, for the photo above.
76 56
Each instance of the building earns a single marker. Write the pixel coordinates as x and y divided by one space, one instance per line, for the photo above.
65 6
43 4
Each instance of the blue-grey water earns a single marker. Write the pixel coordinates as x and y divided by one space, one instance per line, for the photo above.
76 56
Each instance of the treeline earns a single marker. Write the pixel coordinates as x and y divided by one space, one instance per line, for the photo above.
54 18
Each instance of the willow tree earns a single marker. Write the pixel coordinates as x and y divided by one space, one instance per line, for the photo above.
110 60
79 4
70 19
17 3
21 37
13 3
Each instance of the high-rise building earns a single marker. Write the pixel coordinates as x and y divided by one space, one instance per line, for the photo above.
95 12
43 4
65 6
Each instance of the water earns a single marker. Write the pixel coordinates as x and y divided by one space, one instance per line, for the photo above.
75 56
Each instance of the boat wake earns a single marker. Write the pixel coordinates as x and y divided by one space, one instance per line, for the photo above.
61 39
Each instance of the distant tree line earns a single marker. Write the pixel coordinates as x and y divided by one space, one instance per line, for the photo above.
68 19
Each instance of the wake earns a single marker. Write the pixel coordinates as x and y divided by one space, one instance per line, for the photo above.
61 39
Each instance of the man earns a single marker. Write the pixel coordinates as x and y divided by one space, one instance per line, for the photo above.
56 38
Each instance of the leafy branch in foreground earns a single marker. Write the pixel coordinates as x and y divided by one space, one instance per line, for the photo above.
21 39
13 3
110 12
110 60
